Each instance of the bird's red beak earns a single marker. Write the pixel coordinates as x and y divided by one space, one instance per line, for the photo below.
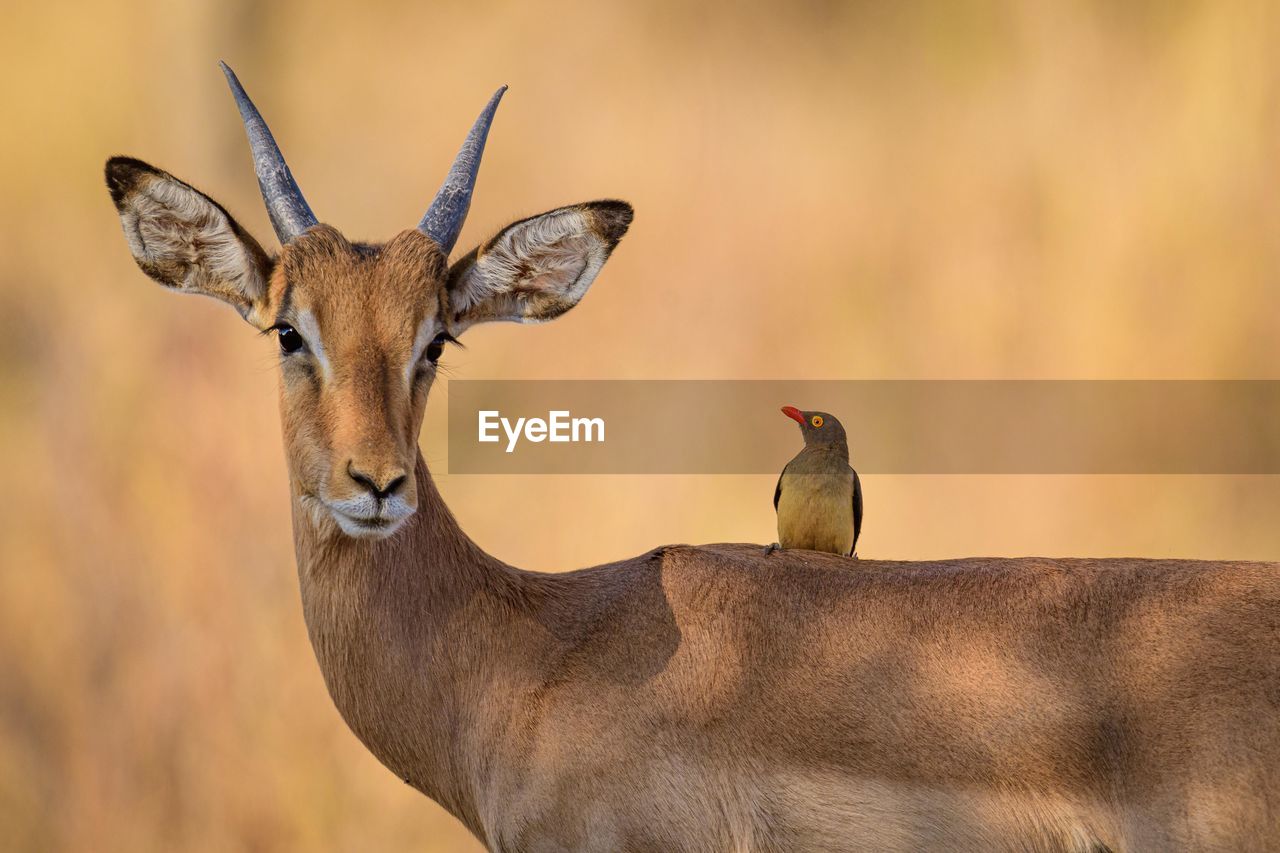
793 413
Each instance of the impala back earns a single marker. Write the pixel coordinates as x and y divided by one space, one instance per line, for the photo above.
969 704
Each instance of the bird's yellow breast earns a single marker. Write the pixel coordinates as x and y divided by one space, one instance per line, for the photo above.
815 511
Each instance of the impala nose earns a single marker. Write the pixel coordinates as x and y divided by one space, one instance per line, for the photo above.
381 487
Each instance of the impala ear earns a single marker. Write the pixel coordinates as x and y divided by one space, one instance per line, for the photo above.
538 268
186 240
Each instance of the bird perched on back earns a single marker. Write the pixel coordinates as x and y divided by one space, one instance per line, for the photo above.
819 495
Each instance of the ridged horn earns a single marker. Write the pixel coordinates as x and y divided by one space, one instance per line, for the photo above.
443 220
290 214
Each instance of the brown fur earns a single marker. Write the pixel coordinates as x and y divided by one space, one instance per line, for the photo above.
363 411
713 698
699 698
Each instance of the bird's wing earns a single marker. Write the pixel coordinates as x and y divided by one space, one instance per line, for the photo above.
857 510
777 490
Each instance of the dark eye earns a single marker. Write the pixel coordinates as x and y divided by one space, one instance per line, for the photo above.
436 347
290 340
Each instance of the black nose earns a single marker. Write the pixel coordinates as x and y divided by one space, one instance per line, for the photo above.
388 487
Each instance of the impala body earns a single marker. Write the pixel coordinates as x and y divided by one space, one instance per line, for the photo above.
703 698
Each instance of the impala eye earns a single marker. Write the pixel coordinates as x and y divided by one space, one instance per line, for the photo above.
436 347
290 340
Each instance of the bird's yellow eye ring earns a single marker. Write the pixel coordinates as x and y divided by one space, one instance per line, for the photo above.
816 421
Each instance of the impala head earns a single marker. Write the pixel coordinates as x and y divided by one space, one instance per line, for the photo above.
359 326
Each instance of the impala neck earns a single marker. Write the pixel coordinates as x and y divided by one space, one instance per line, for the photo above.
412 633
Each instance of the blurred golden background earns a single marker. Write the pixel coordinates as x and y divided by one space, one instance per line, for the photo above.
823 190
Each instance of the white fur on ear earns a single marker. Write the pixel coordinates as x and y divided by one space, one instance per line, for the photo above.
534 270
184 240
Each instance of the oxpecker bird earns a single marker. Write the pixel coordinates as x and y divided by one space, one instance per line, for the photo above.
819 496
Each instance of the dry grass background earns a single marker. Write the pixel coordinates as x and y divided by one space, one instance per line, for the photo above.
823 189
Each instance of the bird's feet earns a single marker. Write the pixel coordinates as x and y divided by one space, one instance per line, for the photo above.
774 547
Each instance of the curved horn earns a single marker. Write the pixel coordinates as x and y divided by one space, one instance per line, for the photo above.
443 220
289 212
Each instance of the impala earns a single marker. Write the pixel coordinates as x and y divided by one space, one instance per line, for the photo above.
702 698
